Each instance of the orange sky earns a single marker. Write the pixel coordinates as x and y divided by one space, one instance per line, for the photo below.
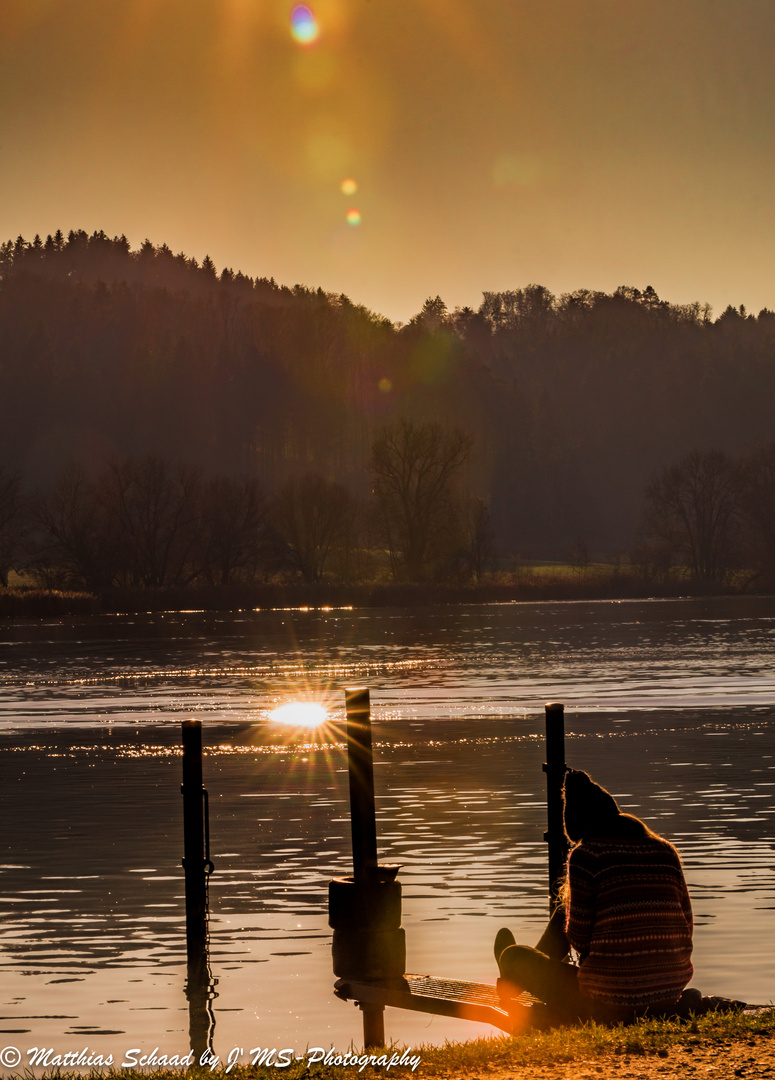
573 143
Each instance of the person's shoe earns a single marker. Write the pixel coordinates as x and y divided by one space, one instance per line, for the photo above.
503 939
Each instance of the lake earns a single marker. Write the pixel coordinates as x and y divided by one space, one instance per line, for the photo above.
670 704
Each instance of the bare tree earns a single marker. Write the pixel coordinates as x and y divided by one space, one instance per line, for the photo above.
479 547
157 508
312 516
414 467
237 540
691 507
578 555
76 545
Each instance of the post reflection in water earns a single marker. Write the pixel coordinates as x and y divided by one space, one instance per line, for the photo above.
200 994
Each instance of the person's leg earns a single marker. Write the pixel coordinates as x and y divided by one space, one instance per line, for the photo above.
546 978
553 982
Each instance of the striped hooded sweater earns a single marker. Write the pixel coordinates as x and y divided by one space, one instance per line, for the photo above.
630 920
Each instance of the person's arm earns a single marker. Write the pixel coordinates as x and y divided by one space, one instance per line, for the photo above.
554 940
683 892
581 902
686 904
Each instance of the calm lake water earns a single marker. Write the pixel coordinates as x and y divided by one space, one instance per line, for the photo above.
670 704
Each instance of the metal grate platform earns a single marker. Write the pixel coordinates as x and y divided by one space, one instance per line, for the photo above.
443 997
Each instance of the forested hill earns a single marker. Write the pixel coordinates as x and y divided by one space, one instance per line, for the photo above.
573 401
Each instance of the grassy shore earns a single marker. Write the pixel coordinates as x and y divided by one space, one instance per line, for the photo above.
33 603
594 1042
541 583
731 1043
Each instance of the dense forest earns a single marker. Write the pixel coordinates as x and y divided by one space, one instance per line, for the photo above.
569 406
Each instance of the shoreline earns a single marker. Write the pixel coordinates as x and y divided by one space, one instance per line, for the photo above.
716 1045
31 602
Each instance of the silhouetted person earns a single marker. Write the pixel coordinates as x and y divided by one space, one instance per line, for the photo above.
625 910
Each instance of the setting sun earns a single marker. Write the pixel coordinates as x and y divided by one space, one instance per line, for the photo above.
305 714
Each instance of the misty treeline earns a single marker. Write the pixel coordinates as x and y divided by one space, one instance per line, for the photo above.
571 403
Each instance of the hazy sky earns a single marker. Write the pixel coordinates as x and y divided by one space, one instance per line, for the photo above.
493 142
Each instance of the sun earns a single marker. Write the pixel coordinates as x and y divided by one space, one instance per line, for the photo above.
300 714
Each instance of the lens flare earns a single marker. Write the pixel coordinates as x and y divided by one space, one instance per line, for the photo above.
353 216
348 186
304 27
302 714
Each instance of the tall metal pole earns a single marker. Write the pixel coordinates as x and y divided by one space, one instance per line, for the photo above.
360 761
194 833
555 768
363 818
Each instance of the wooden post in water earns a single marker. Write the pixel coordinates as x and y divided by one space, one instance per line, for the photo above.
360 762
363 819
555 768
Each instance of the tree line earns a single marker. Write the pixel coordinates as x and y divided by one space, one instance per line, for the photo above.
571 402
150 523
